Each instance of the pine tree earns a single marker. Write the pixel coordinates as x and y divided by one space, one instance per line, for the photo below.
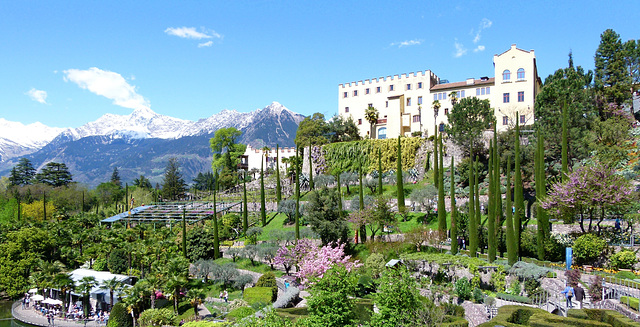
512 255
565 142
380 191
442 212
173 186
245 207
518 196
263 209
399 182
473 226
216 239
491 223
435 158
454 211
278 186
115 177
311 185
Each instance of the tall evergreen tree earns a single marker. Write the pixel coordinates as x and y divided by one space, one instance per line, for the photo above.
245 206
565 142
23 173
611 77
380 191
184 232
298 161
476 183
54 174
491 223
497 187
435 158
311 185
442 212
541 216
216 239
454 211
278 186
400 183
263 205
115 177
512 255
339 191
473 226
517 188
173 185
363 228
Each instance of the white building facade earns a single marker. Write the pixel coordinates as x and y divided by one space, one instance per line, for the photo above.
405 102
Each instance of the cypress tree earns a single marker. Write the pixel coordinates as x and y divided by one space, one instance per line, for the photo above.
435 159
565 142
454 211
44 204
278 186
263 209
363 228
245 207
517 185
491 223
184 232
298 164
497 187
339 192
512 256
311 185
399 182
477 202
540 191
216 239
473 226
427 163
442 212
380 191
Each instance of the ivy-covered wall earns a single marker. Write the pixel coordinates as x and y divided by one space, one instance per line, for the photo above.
346 156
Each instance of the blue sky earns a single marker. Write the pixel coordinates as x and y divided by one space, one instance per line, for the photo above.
65 63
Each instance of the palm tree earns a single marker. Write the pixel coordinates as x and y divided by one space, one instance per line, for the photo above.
134 297
196 297
371 115
153 283
65 284
454 97
436 107
111 285
175 283
87 283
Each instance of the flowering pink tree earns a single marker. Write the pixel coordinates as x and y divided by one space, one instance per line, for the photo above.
317 262
588 192
290 256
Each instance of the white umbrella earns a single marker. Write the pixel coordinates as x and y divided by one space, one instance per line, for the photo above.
33 291
37 297
52 301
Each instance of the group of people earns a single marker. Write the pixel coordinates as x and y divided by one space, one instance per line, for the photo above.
224 295
51 312
571 291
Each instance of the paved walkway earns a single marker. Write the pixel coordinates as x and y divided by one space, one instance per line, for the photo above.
33 317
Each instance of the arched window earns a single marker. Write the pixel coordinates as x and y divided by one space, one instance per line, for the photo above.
521 74
382 133
506 75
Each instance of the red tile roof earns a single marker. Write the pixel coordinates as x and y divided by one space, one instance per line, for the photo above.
457 85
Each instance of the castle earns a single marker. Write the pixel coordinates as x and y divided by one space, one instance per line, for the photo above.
405 102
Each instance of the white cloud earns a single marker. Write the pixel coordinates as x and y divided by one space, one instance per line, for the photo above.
460 49
479 48
108 84
484 24
191 33
38 95
205 44
406 43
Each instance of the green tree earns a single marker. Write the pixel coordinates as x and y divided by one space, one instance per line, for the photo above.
115 177
203 182
173 185
467 120
54 174
312 129
611 76
398 298
512 255
263 209
226 152
473 227
278 186
454 211
371 115
324 217
343 130
518 190
245 209
541 190
87 283
144 183
399 182
491 222
111 285
23 173
332 300
442 212
436 165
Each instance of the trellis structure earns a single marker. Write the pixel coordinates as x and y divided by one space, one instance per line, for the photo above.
169 212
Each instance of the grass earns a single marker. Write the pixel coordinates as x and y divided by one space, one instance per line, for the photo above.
245 264
276 223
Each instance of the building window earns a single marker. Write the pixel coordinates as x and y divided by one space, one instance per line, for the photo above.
370 105
521 74
416 118
505 97
446 111
441 127
382 133
367 91
522 119
355 93
378 89
359 121
408 102
408 87
386 104
460 94
419 100
483 91
506 75
521 96
478 91
419 85
390 87
505 120
346 109
488 90
435 96
344 95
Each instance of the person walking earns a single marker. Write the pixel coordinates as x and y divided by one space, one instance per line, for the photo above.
579 295
568 293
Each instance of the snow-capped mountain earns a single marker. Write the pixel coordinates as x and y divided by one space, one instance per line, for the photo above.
17 139
142 142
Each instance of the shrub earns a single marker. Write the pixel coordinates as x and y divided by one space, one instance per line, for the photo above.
478 296
288 299
117 261
375 264
624 259
513 298
157 317
631 302
451 309
463 288
269 280
205 324
532 287
573 276
515 287
498 280
239 313
626 275
588 248
238 303
119 316
526 271
595 289
258 294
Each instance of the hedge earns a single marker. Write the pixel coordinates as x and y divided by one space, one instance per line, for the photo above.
119 316
257 294
239 313
453 321
610 317
632 302
513 316
513 298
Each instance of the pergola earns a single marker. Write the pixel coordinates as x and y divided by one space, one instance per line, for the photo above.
169 212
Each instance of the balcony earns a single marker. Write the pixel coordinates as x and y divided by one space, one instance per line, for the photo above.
382 121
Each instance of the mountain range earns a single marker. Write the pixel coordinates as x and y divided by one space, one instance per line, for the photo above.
140 143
